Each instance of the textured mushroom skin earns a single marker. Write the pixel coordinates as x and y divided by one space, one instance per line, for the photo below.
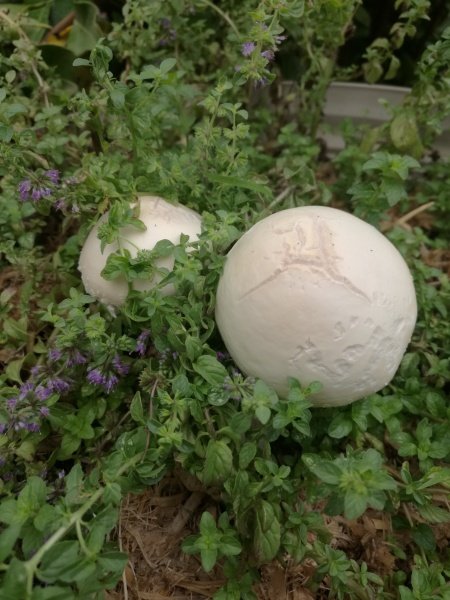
164 221
317 294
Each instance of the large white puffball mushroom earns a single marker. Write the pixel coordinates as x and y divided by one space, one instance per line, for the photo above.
317 294
164 221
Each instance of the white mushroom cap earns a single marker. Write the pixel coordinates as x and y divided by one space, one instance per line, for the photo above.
164 221
317 294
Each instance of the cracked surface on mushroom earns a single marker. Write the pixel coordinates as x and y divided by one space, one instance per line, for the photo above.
309 247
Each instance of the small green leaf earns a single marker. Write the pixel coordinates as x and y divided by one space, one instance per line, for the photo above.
326 471
209 558
423 535
8 538
247 454
58 560
167 65
218 463
354 504
263 414
230 181
267 533
210 369
81 62
137 409
113 562
14 583
340 426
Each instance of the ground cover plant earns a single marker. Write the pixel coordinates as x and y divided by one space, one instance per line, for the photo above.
216 105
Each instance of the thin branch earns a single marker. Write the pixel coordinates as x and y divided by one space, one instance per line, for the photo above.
185 513
223 15
402 221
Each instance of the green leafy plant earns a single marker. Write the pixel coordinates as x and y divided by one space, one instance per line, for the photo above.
216 106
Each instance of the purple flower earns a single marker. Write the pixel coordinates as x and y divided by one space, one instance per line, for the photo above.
32 427
165 23
24 188
3 428
42 393
280 38
221 356
120 367
96 377
59 385
2 461
76 358
35 370
60 204
268 54
75 208
53 175
61 474
11 403
247 48
54 354
44 411
111 382
25 389
40 192
262 82
141 342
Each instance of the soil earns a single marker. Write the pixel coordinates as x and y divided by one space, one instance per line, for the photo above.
153 524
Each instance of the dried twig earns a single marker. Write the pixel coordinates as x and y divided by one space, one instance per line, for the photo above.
185 513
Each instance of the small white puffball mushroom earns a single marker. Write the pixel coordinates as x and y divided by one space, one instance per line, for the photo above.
164 221
317 294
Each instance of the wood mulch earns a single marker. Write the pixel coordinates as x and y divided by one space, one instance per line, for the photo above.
153 525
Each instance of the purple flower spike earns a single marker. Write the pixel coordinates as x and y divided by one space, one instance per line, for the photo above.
44 411
111 383
60 204
11 403
96 377
268 55
34 371
76 358
42 393
53 175
25 389
24 188
36 194
54 354
141 342
33 427
247 48
58 385
120 367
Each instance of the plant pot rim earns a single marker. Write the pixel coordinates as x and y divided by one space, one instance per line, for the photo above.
363 104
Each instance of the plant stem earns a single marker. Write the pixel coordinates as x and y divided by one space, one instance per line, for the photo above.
223 15
75 519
